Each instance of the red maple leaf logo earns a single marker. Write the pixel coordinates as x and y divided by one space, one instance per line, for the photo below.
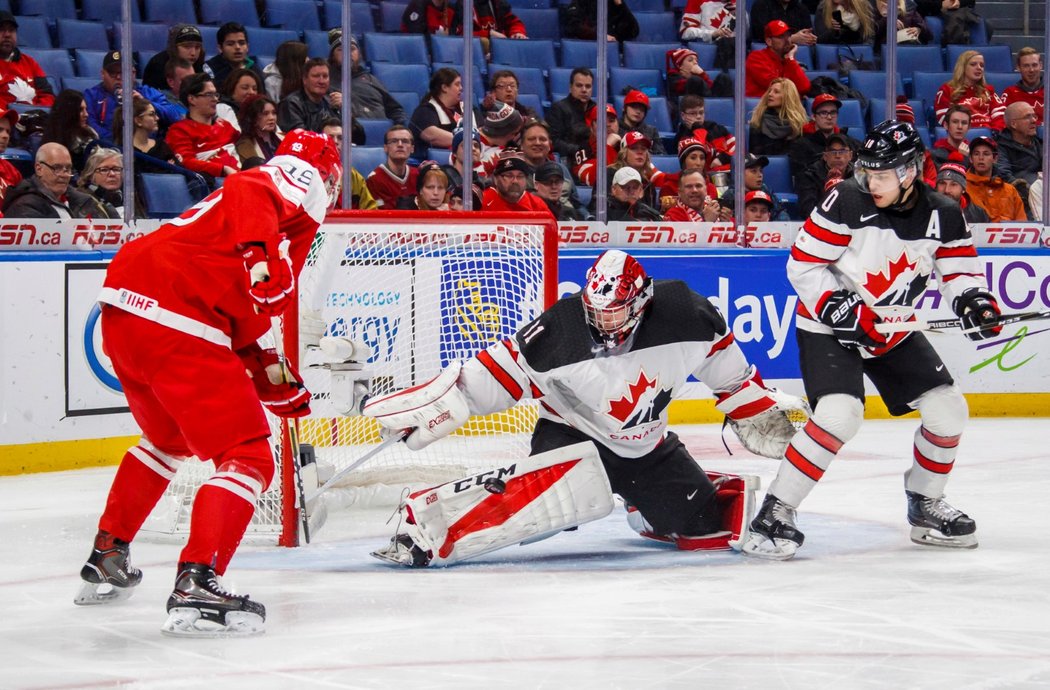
878 283
621 409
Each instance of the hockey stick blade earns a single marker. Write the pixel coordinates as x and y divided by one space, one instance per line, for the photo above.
357 463
944 325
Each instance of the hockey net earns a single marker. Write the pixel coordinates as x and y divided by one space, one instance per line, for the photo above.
421 291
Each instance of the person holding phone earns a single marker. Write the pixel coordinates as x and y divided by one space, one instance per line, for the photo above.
849 22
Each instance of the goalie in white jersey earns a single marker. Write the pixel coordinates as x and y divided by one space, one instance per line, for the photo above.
866 255
604 365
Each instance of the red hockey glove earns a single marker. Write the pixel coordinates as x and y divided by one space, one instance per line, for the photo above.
978 309
280 388
271 282
852 321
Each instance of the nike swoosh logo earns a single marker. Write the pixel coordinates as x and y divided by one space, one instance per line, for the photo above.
865 219
939 368
690 496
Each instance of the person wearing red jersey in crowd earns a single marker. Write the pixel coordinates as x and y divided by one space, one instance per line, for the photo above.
693 152
394 178
427 17
9 175
711 21
693 203
584 168
205 143
774 61
21 78
685 75
499 130
951 181
905 113
183 309
635 108
492 19
509 181
968 87
957 127
1029 88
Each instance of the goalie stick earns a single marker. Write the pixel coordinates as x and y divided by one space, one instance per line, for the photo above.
357 463
292 428
944 325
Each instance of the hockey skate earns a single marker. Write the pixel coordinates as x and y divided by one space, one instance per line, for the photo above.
774 535
402 550
108 574
200 607
935 522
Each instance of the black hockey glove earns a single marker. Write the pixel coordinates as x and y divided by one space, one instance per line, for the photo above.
852 321
978 308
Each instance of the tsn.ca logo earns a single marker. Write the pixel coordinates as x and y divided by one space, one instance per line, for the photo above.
1012 235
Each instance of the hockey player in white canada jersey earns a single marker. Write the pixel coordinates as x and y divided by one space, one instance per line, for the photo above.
865 256
604 365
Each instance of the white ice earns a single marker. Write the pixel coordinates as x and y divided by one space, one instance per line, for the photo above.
860 607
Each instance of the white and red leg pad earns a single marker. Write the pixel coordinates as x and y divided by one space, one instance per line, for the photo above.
735 496
526 501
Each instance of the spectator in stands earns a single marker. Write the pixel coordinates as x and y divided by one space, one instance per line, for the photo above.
968 87
432 190
370 100
548 184
849 22
232 41
581 21
455 198
758 207
1035 199
428 17
499 130
1020 147
21 78
995 195
312 104
911 27
508 191
635 108
634 153
1029 89
711 21
205 143
693 204
754 181
694 152
537 148
792 13
568 117
175 70
691 113
284 75
775 61
241 85
958 16
395 179
436 118
951 181
504 85
957 127
454 169
905 113
146 122
360 197
834 165
103 178
625 201
778 119
9 174
685 75
492 19
184 43
809 147
260 136
48 193
585 170
104 98
67 124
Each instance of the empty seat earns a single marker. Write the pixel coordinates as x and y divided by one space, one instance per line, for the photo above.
450 49
872 84
666 163
33 33
403 77
361 19
219 12
828 54
533 102
107 10
82 34
926 84
1000 80
80 83
147 38
530 79
300 15
55 62
263 41
439 156
585 53
720 110
375 131
365 159
530 53
390 15
540 23
778 176
170 11
705 53
648 80
911 59
647 55
657 26
851 114
397 48
88 63
409 100
316 43
51 9
165 195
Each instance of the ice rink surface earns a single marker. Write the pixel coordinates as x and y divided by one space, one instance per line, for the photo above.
859 607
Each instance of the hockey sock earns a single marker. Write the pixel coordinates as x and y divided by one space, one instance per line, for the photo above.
141 479
221 512
944 414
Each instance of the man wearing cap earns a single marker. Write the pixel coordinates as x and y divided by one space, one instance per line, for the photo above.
833 166
986 189
21 79
809 147
777 59
685 75
370 99
509 180
693 205
454 169
625 202
104 98
394 179
586 161
184 41
951 181
793 13
9 174
1029 88
568 117
500 128
635 108
754 181
1020 147
548 181
232 42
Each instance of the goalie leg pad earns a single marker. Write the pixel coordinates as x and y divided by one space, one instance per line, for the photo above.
529 500
433 410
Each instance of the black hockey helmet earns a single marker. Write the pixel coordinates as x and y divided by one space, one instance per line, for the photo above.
891 144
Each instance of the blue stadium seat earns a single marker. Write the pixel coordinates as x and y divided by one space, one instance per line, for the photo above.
973 133
439 156
827 54
657 26
530 53
647 55
997 57
659 115
851 114
165 195
478 85
33 33
170 11
398 48
648 6
666 163
147 38
720 110
925 85
90 35
54 61
375 131
585 54
365 159
361 19
531 100
80 83
705 53
450 49
107 11
50 9
648 80
911 59
262 41
403 77
88 63
530 79
872 84
924 132
1000 80
540 24
300 15
390 15
778 176
409 100
936 27
210 36
559 81
316 43
218 12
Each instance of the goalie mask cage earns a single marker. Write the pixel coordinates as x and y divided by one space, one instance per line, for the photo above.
420 290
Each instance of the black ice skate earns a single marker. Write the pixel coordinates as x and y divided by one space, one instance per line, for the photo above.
773 532
936 523
200 607
402 550
108 574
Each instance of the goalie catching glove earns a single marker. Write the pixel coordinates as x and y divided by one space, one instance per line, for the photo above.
271 279
278 384
762 417
431 410
978 309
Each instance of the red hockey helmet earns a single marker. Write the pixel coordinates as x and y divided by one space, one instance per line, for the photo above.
320 151
616 295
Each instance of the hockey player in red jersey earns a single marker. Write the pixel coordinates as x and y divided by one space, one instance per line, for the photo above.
866 255
182 310
604 365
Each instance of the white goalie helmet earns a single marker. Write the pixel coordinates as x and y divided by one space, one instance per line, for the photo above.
616 295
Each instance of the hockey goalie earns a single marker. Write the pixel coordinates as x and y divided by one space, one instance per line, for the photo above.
604 365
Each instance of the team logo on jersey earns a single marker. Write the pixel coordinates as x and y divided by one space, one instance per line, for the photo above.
644 403
898 283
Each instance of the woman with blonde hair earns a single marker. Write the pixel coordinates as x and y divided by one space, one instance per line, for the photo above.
968 87
778 119
845 21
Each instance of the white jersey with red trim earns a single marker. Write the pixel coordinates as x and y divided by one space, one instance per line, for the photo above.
887 257
619 398
191 266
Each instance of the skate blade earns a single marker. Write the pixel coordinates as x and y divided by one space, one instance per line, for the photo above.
187 622
927 536
758 546
93 594
394 556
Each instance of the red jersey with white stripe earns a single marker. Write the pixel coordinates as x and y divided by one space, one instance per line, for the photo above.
985 112
887 257
617 397
192 265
